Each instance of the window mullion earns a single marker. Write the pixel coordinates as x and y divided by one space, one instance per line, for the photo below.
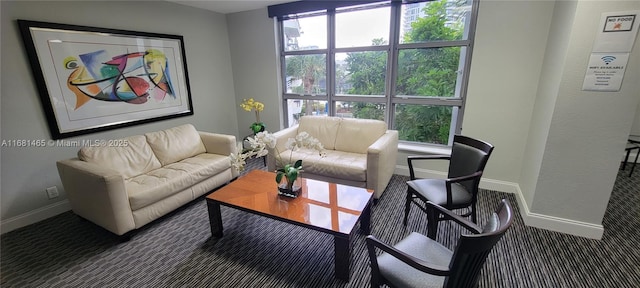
361 49
331 62
428 101
367 98
434 44
304 96
283 73
392 62
305 52
467 65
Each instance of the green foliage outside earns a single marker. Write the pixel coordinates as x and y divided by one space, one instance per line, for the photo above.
421 72
311 70
308 68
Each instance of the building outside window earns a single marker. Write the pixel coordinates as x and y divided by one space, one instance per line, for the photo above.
406 64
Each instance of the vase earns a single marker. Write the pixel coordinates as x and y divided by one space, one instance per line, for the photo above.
289 190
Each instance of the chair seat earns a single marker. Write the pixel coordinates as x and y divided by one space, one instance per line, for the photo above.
431 189
417 245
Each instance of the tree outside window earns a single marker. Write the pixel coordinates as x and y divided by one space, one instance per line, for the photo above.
425 93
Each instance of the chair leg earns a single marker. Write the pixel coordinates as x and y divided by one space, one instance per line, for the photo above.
407 207
634 162
626 158
473 214
375 282
432 223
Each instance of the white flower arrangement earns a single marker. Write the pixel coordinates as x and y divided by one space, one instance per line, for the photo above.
259 145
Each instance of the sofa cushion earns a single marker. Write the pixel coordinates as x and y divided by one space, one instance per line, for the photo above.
336 164
322 128
356 135
175 144
132 159
161 183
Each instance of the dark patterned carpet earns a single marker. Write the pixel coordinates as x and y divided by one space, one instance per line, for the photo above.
177 251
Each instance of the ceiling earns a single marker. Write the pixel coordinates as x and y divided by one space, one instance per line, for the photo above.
225 6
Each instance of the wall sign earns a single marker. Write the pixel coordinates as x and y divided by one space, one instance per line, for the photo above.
605 71
608 61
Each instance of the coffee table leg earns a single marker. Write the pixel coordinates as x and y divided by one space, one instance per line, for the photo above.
365 219
342 257
215 218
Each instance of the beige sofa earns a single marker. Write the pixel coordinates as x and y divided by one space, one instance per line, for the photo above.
360 152
130 182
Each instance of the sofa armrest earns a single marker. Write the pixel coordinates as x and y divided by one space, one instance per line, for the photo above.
281 140
381 162
221 144
97 194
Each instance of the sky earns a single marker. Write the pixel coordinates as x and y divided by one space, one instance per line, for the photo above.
352 29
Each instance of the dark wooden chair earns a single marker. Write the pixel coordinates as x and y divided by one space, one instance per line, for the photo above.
419 261
460 190
631 146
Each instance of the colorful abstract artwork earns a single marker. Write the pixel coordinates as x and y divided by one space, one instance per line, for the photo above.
94 79
131 78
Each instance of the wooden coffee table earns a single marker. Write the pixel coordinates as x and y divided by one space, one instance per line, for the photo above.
326 207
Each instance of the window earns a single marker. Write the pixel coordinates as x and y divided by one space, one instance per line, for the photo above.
403 63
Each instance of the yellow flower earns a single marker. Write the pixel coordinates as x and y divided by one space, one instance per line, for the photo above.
258 106
252 105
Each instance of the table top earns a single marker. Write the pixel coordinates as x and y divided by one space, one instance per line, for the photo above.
325 206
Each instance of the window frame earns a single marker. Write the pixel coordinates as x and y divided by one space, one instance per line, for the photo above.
390 98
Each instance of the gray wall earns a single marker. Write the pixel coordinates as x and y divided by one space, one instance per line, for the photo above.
26 172
252 36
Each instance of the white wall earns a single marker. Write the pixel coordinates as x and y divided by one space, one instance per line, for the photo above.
252 37
27 172
505 69
588 129
551 75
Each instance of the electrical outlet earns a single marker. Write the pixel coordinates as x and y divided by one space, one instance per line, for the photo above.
52 192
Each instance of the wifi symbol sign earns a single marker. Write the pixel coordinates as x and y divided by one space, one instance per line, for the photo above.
608 59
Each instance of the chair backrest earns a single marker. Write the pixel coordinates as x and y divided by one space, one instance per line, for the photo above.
472 250
468 156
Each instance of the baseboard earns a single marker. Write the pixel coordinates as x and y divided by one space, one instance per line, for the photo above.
537 220
487 184
34 216
562 225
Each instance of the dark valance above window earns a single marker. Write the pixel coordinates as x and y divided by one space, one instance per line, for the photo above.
304 6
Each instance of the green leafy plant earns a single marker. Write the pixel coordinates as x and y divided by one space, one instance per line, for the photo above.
290 172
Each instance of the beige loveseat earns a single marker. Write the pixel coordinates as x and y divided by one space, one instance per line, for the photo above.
360 152
130 182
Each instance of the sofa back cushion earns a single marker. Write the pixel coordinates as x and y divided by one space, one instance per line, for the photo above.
175 144
131 157
356 135
323 128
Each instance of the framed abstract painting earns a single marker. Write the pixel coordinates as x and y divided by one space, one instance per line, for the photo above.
95 79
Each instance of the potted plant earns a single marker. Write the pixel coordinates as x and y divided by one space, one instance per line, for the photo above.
257 107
